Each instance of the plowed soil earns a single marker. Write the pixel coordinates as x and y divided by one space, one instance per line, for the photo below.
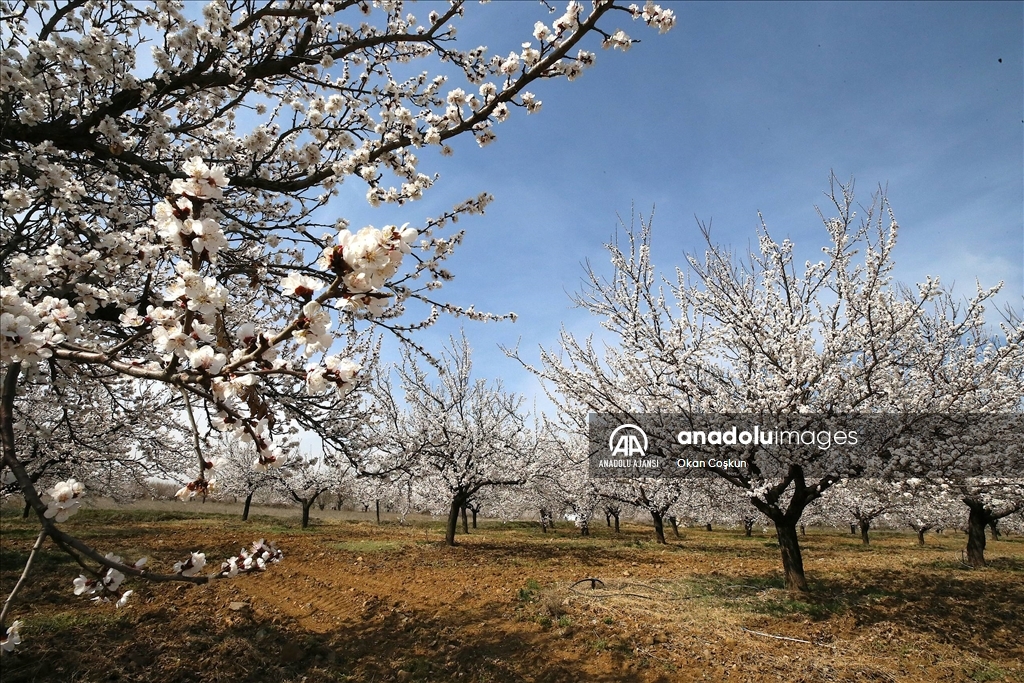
354 601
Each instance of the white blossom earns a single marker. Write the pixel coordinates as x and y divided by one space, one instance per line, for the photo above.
12 637
62 501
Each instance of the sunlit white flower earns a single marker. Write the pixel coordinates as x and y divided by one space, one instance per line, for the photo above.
84 586
316 380
208 237
299 285
531 102
246 333
124 598
345 368
12 638
618 41
192 566
172 341
16 199
131 318
205 358
62 500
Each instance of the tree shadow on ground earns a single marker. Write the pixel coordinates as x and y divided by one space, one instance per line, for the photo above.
977 609
390 645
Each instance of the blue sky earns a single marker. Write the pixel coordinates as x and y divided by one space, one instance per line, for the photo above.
740 108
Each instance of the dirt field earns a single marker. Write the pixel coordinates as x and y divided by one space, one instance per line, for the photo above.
353 601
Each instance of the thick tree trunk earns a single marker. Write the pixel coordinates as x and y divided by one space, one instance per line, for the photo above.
864 527
803 529
28 508
976 535
708 526
585 528
675 525
792 562
659 526
616 516
453 518
993 524
474 518
305 512
920 536
377 502
748 527
853 528
245 510
608 519
465 521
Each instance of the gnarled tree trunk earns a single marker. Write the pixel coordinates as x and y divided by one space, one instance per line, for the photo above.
659 527
675 525
976 522
792 561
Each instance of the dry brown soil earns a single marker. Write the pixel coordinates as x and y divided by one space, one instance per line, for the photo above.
354 601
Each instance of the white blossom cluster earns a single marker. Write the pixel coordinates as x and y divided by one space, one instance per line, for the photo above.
29 331
95 259
256 558
192 565
108 585
656 16
63 500
457 440
197 487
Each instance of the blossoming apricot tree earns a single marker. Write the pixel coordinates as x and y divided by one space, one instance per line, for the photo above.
754 334
456 437
163 179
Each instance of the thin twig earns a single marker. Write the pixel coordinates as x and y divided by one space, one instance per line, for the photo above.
24 575
195 434
795 640
648 653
